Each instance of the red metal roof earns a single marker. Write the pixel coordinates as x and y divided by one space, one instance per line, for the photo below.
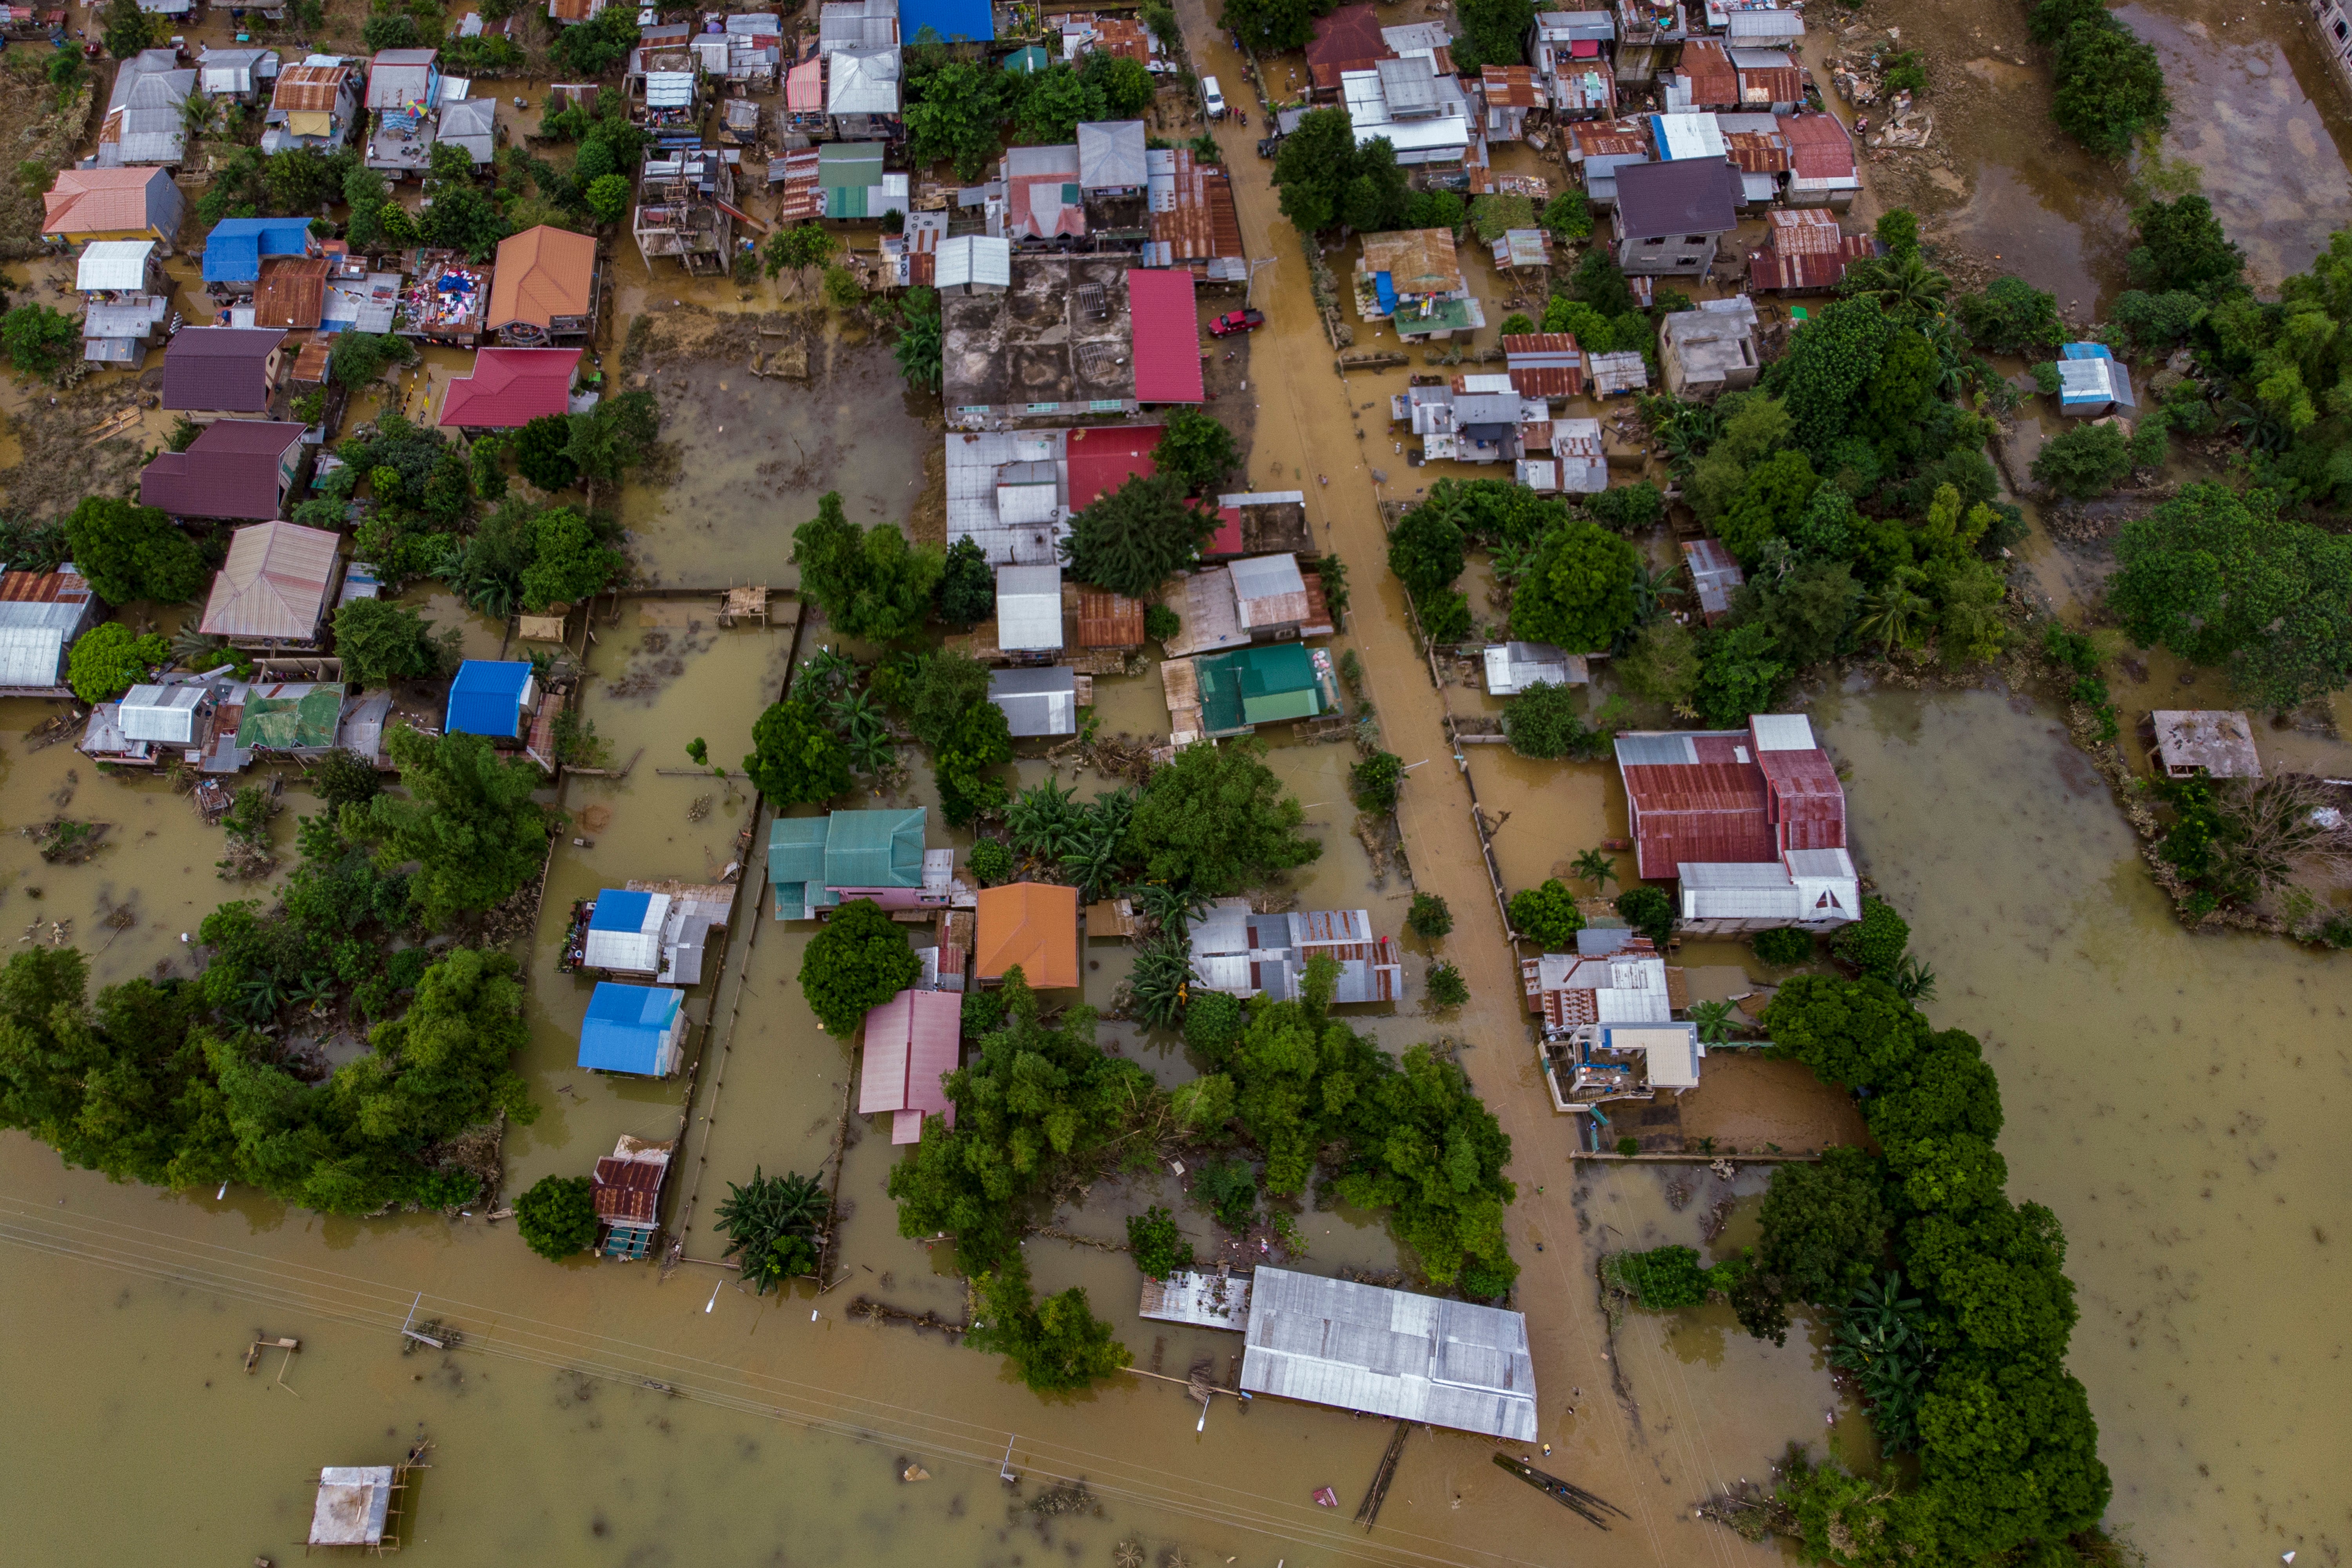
1109 620
1166 336
1763 86
1805 249
1757 152
1819 148
1544 364
627 1189
1348 39
1713 811
1510 87
1609 138
1713 83
43 588
1104 457
1807 801
911 1041
510 388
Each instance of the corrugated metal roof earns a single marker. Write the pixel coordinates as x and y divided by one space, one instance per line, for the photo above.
112 264
861 81
219 368
230 470
1029 608
100 201
974 260
1037 703
975 460
911 1040
34 655
1109 620
1111 155
1033 925
291 292
632 1028
1166 336
1819 147
1707 72
274 583
309 87
162 713
628 1190
1389 1352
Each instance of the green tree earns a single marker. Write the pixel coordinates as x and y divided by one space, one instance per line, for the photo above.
1159 1248
1124 84
557 1216
2110 85
467 822
1133 539
796 758
773 1225
359 358
1770 502
1374 780
1824 376
1057 1345
1740 673
956 119
569 563
2011 316
1318 158
1217 820
1579 591
1053 103
1426 551
615 436
1825 1226
109 660
1270 27
128 552
344 777
1649 910
967 585
126 30
442 1067
596 48
1429 919
1547 915
1195 447
871 583
1664 666
2181 248
608 196
858 962
381 641
1543 722
921 348
1783 946
37 338
1568 215
1494 33
2083 461
542 452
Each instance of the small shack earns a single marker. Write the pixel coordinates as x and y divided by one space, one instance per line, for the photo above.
626 1193
1029 610
359 1505
1390 1352
1261 522
490 697
1513 666
654 930
2205 744
2092 383
1715 573
1198 1296
911 1040
1037 703
635 1029
1032 926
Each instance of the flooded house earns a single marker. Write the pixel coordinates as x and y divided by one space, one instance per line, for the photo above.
146 118
1072 335
1243 954
1390 1352
858 42
42 616
314 104
543 289
648 931
1115 177
1574 456
2188 744
818 863
508 388
1214 695
238 248
1568 51
357 300
272 594
1040 704
1715 576
1032 926
1804 252
1508 96
221 726
126 298
1650 36
1511 667
223 373
1029 613
1709 351
744 54
1545 366
2092 383
1261 598
626 1192
403 102
1754 24
1596 149
1671 216
358 1505
1261 522
1616 374
235 471
1412 279
686 213
853 186
1822 168
1471 419
1750 823
1193 223
471 123
911 1041
1347 40
1591 1065
1613 977
83 204
1421 111
1756 146
501 701
442 298
638 1031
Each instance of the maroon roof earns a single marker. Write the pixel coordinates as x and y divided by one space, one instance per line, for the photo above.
627 1189
1807 801
1348 39
1819 148
1707 69
1712 811
223 368
230 470
1763 86
1167 335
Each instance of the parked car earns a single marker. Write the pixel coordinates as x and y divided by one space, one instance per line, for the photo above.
1268 146
1236 322
1212 96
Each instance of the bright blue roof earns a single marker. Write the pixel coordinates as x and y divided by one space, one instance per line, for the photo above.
234 252
2084 351
624 1029
487 698
1384 289
620 911
952 19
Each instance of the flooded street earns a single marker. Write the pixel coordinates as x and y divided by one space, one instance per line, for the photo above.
2172 1097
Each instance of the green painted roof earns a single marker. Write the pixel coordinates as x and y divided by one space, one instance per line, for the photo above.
1257 686
1025 61
849 163
283 723
874 849
796 849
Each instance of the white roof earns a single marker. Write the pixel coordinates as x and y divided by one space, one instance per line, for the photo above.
669 89
1783 732
974 258
1367 112
354 1507
635 952
976 464
1688 136
113 264
1511 667
1266 577
1673 1050
166 713
1029 608
861 81
1111 155
34 656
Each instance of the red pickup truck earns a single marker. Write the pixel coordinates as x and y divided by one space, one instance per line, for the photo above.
1236 322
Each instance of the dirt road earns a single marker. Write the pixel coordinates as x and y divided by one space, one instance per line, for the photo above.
1652 1453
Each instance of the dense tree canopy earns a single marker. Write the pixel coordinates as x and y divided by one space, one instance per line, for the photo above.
796 758
467 823
858 962
1578 590
871 583
110 659
2110 84
382 640
1133 539
1196 447
1217 820
128 552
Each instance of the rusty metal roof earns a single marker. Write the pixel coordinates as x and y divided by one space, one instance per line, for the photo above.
628 1189
1191 206
1819 148
311 364
292 291
1610 139
1757 152
1707 70
1109 620
1807 801
1544 364
1804 248
308 87
1760 86
1510 87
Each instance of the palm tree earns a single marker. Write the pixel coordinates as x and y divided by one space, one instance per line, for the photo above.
871 751
1653 586
772 1223
1594 865
1887 614
1909 287
1091 857
825 674
1914 981
1714 1020
1166 904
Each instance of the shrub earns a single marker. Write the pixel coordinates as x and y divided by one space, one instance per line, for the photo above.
1542 722
1374 780
1784 947
2110 84
1159 1247
1517 324
2011 316
1628 509
991 861
37 338
1664 1278
860 960
1161 624
381 640
1650 911
2085 461
1229 1188
1875 944
1445 619
983 1014
557 1218
1445 985
1213 1022
1547 915
128 552
1427 551
1429 917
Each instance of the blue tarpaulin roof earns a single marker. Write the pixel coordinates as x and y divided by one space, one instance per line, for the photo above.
626 1027
1384 289
620 911
952 19
487 698
232 252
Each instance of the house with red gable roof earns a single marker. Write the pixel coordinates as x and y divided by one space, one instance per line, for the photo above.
1750 823
510 388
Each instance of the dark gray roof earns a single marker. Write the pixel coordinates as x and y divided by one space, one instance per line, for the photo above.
1689 196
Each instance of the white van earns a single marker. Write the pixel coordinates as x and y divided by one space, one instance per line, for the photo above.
1211 96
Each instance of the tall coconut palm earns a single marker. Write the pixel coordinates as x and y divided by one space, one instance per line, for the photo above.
1909 287
1887 614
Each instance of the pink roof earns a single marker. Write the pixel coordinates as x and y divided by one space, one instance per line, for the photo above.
1227 540
804 85
911 1040
1166 336
1102 458
510 388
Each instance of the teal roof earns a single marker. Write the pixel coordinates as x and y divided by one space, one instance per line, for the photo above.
810 855
1262 684
1027 61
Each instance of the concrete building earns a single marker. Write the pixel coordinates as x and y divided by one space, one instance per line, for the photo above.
1247 954
1709 351
1671 215
1424 114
